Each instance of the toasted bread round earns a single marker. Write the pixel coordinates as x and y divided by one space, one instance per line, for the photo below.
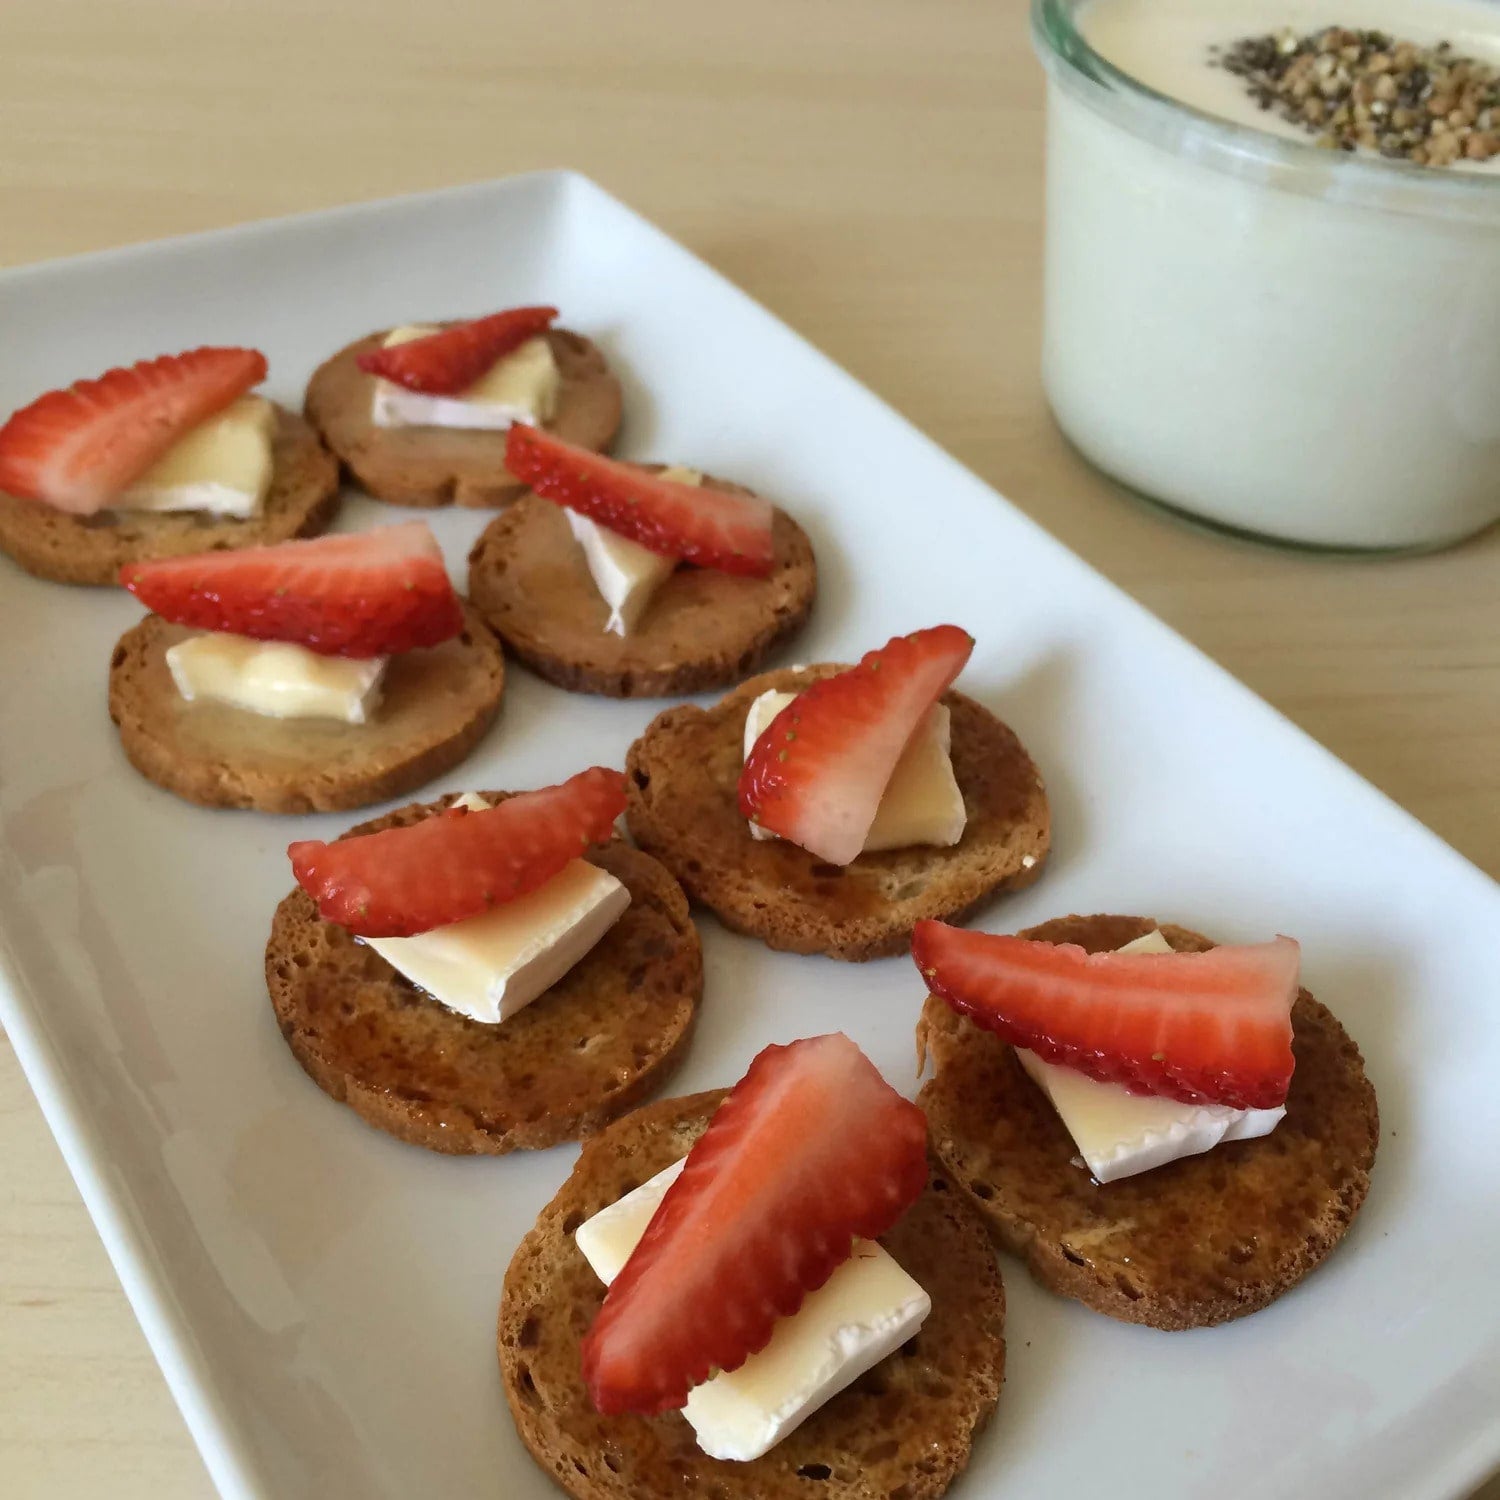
445 466
435 707
603 1037
1196 1242
682 782
703 629
903 1429
302 500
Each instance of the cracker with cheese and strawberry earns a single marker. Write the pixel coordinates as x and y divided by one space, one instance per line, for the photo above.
489 972
419 413
757 1293
1172 1132
314 675
169 456
637 580
828 809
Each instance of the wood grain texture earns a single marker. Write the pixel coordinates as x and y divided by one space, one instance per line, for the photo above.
871 170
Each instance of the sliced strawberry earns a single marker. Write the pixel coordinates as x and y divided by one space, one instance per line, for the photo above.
457 863
811 1148
452 359
81 448
817 773
706 527
1206 1028
372 593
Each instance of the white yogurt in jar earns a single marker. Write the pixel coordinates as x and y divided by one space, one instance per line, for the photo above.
1166 44
1294 342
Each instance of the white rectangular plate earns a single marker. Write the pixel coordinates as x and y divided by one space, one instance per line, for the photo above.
322 1299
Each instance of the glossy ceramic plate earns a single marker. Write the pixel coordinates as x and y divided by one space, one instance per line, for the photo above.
322 1299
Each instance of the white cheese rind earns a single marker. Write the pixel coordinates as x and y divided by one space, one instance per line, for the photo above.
866 1310
921 804
222 467
1120 1134
276 679
522 386
491 966
626 574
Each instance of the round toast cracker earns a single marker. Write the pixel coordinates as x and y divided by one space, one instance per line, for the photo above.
904 1428
1193 1243
608 1033
681 780
435 707
431 466
703 628
302 500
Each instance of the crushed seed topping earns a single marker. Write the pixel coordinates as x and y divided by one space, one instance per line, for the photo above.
1354 89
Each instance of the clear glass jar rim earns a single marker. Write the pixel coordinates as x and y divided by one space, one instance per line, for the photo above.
1297 166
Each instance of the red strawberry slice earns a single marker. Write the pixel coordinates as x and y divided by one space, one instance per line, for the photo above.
817 773
1205 1028
452 359
457 863
706 527
372 593
81 448
811 1148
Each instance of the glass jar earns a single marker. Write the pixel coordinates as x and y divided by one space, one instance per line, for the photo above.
1288 342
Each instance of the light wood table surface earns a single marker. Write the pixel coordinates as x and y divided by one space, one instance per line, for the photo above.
871 170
